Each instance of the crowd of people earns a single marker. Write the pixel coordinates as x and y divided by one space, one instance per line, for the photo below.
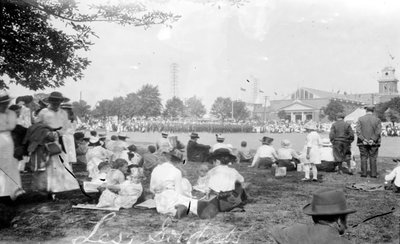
47 143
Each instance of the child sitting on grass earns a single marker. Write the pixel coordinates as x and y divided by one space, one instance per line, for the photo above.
121 191
287 156
244 153
201 185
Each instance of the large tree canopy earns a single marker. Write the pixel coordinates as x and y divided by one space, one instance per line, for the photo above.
332 109
174 108
36 55
195 108
222 108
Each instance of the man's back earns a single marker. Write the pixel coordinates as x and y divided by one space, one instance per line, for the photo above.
341 131
369 128
310 234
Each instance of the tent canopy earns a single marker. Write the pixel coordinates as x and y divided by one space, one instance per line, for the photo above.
355 115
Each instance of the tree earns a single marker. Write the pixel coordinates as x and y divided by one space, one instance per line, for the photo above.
103 108
222 108
194 107
282 114
81 109
388 111
117 107
392 115
174 108
131 105
149 101
332 109
36 55
240 111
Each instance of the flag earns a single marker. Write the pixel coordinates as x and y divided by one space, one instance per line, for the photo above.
242 89
260 91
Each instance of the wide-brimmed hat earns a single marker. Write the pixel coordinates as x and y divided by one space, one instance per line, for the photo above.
219 137
4 97
56 96
79 135
123 135
194 135
328 202
93 139
267 140
326 142
164 134
285 143
66 106
221 152
310 126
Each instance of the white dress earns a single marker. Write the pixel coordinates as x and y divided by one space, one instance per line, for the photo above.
314 142
95 156
10 179
58 178
69 141
169 188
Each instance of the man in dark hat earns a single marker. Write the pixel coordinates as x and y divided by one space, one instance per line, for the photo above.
265 155
196 152
369 131
329 212
341 137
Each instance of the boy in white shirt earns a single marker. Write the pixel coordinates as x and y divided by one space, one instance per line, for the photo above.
265 155
394 177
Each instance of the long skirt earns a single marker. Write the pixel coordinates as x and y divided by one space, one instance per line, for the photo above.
10 179
69 144
55 178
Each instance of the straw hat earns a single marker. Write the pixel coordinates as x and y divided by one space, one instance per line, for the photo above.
220 138
56 96
66 106
222 152
328 202
4 97
326 142
285 143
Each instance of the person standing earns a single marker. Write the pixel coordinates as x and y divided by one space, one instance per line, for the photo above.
311 154
368 131
341 136
57 178
10 179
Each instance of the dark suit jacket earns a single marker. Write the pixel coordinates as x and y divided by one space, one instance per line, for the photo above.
194 150
341 131
369 127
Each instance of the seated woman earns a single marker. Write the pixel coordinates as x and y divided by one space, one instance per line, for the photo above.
95 155
224 182
328 163
167 185
265 155
121 191
287 156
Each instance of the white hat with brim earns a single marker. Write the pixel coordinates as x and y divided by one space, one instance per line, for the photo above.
4 97
326 142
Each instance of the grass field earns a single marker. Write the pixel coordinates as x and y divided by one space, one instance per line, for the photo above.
274 201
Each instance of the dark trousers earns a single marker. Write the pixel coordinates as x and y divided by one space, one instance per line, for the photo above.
371 153
341 151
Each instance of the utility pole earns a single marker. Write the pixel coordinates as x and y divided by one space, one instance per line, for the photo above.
232 108
265 108
174 80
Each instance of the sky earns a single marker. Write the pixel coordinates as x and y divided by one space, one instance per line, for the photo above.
336 45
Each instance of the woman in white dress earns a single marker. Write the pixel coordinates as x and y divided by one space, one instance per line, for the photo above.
68 137
10 179
58 178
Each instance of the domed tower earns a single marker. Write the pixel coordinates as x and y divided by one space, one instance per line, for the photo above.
387 81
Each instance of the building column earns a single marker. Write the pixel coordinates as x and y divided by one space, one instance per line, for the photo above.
292 117
302 117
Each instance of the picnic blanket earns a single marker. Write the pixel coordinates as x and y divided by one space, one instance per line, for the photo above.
366 187
148 204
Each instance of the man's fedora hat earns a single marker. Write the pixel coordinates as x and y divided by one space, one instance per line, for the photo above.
56 96
222 152
267 140
328 202
369 107
4 97
194 135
